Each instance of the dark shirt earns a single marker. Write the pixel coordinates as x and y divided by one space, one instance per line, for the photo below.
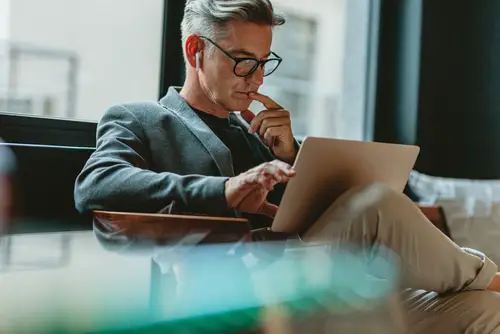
236 140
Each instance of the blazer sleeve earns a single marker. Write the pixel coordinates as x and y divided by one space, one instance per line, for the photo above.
117 176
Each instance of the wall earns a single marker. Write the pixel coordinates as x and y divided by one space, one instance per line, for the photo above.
118 44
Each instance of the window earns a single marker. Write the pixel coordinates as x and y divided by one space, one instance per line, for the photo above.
322 79
73 58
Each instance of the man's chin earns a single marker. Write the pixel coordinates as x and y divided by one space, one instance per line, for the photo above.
239 105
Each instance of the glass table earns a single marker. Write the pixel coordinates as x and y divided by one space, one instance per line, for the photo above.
71 283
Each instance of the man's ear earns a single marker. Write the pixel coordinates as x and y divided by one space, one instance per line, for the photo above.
193 46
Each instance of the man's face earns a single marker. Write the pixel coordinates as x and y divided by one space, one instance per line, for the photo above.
221 85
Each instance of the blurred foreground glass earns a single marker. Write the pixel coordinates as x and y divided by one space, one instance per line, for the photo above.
73 59
216 289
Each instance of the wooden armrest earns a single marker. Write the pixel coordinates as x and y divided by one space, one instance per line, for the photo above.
437 216
166 227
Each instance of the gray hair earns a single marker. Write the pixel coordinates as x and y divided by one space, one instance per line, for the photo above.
210 17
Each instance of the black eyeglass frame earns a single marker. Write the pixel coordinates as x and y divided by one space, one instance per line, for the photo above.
238 60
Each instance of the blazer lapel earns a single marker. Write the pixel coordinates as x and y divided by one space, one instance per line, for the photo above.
219 152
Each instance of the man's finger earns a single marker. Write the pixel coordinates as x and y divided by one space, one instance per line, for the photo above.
247 115
268 114
273 168
270 133
269 141
270 178
265 100
242 192
268 209
267 180
268 123
281 172
287 168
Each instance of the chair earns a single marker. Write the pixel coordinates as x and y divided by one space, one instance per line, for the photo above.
43 186
43 182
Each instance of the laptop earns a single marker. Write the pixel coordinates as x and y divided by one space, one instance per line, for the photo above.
326 168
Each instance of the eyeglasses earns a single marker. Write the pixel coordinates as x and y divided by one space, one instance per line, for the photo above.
244 67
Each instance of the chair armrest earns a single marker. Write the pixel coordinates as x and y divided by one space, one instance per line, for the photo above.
437 216
166 227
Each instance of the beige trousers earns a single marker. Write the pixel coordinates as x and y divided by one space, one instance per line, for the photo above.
443 284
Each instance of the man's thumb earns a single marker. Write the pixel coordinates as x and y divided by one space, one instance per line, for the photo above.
247 115
268 209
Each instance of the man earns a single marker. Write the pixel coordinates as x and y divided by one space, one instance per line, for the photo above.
189 152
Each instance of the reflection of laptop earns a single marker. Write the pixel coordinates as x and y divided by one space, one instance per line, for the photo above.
326 168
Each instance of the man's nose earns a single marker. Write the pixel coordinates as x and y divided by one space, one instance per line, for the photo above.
257 77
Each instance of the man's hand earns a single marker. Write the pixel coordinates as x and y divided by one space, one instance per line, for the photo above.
247 192
273 126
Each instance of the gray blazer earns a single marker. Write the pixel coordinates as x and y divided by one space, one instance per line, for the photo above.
151 156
